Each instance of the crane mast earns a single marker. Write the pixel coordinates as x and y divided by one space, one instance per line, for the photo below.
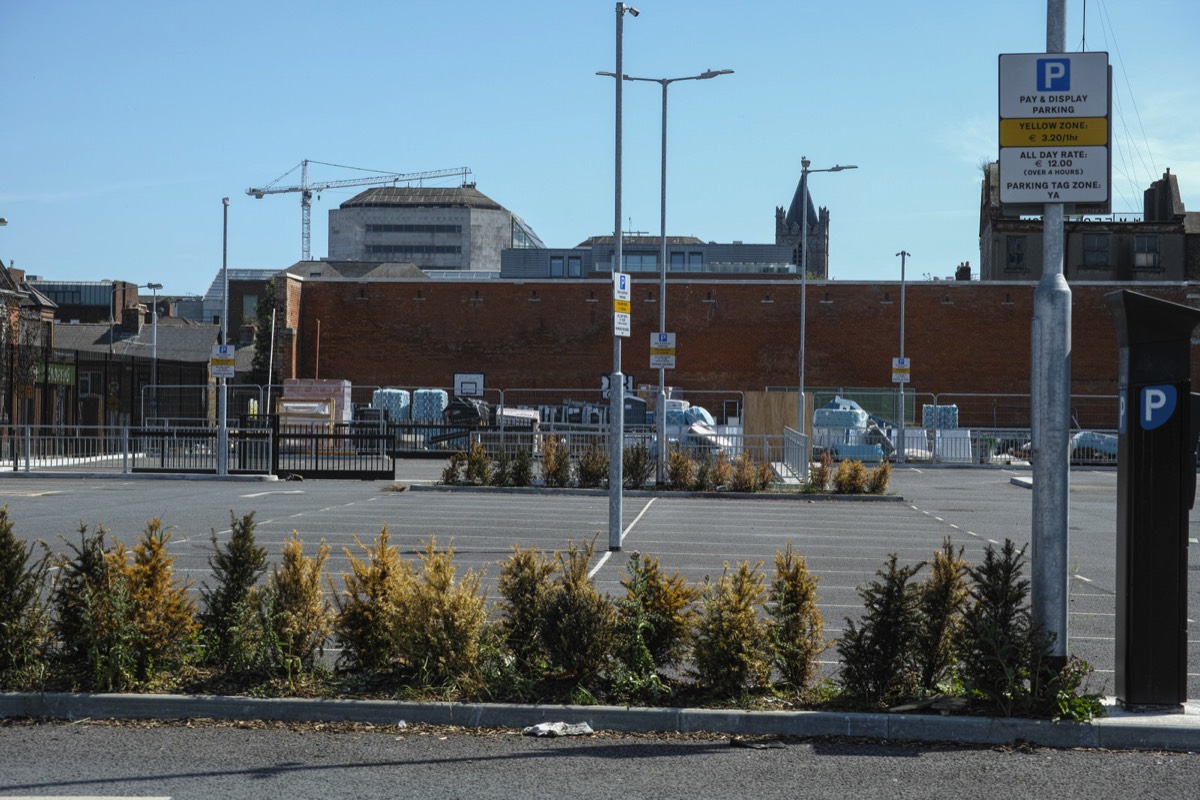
306 189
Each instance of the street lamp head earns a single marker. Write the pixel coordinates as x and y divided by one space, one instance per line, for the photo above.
154 286
840 167
3 221
712 73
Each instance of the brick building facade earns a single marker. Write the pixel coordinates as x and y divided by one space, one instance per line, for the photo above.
732 335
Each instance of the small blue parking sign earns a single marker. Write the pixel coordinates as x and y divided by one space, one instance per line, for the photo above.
1156 406
1053 74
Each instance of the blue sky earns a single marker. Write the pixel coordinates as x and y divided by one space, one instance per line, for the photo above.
124 123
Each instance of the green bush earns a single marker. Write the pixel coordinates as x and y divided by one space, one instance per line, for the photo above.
943 597
820 474
851 477
478 470
522 468
296 612
795 622
452 474
164 613
656 614
441 622
878 479
878 656
638 466
556 463
681 470
523 584
370 606
578 623
1005 657
24 617
502 474
94 617
593 467
229 622
731 645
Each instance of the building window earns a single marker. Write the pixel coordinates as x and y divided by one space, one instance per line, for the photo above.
249 308
574 267
1145 251
414 228
556 266
695 262
1016 253
1095 249
677 262
414 249
640 262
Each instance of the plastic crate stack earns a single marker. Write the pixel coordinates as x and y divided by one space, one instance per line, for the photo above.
429 405
395 403
939 417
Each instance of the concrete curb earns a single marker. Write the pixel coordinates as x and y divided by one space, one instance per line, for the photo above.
536 490
160 476
1121 730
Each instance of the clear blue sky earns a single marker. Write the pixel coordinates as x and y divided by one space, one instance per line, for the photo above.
123 124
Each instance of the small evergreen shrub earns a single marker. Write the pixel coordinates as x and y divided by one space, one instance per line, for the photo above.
681 470
795 622
478 469
747 476
370 606
522 468
731 645
593 467
638 466
943 597
556 462
878 654
229 620
706 477
94 617
820 474
523 583
163 610
297 612
851 477
24 617
502 473
722 470
877 481
452 474
442 621
656 614
578 623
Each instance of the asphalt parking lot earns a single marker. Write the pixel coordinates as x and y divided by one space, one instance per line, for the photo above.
844 542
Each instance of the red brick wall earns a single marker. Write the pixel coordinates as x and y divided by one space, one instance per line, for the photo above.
738 335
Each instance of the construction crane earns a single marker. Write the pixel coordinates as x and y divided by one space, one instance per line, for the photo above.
306 189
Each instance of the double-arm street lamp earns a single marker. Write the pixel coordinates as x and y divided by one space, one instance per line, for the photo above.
661 406
804 172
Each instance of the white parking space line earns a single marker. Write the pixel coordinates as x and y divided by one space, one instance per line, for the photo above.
604 558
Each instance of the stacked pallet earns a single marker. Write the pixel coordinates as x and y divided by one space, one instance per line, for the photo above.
395 403
939 417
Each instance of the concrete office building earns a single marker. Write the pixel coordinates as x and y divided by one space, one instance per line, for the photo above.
438 229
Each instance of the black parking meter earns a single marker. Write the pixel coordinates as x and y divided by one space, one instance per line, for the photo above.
1156 484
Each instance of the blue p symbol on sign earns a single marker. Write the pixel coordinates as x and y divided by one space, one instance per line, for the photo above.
1053 74
1157 406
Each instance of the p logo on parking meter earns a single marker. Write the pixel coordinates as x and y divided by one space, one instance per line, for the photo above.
1157 406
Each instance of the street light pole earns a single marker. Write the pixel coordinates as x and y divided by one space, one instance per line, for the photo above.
223 396
904 254
804 172
154 349
661 406
616 384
